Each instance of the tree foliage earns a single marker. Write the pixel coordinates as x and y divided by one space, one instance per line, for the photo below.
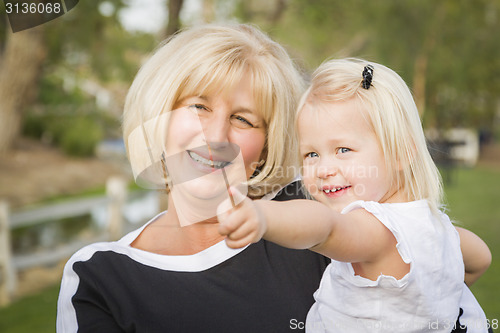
86 39
447 50
81 46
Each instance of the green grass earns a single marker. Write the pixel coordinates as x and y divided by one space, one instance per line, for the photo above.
90 192
473 200
473 197
35 313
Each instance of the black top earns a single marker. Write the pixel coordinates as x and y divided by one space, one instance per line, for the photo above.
112 287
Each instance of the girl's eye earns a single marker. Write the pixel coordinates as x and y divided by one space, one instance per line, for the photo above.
343 150
311 155
242 122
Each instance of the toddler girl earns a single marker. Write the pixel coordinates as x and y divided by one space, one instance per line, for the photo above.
397 264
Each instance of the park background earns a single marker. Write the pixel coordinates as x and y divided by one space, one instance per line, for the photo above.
62 89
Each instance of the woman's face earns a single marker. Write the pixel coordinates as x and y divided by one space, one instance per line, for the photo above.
208 133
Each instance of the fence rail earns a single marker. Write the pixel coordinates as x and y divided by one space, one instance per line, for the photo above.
57 211
11 264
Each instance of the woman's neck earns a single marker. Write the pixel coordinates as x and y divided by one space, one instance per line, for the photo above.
166 236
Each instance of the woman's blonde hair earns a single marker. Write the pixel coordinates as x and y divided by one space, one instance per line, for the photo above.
389 107
210 59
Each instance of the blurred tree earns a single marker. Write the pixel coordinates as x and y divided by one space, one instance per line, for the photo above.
208 11
412 29
319 29
86 39
3 30
174 10
20 68
84 43
464 72
265 13
447 50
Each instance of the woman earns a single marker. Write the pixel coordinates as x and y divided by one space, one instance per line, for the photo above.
212 98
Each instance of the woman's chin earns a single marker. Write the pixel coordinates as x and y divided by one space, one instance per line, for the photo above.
204 188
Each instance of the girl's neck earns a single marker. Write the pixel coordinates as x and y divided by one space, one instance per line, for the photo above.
395 196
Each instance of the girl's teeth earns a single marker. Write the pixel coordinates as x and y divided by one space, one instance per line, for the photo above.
334 190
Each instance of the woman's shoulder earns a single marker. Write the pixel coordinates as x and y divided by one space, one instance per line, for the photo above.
87 252
111 248
291 191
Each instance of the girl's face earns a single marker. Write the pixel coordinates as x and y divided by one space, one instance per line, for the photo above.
342 159
207 132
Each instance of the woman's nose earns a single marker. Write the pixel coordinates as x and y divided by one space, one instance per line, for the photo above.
216 129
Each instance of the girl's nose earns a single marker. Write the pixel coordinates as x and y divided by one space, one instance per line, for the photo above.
325 170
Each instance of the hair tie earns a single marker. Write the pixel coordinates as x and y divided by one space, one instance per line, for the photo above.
367 76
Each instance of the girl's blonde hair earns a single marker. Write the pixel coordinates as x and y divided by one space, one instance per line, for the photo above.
389 107
211 59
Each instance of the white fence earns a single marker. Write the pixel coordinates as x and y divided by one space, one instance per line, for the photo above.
11 264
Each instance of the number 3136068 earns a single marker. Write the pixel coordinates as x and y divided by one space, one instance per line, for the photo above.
32 8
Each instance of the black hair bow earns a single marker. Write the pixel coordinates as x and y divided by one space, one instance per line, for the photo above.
367 76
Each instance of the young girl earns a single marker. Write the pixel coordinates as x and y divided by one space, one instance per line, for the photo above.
397 263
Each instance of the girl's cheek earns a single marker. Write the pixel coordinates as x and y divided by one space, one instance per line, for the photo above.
309 180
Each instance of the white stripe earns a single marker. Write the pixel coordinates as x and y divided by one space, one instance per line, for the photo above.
208 258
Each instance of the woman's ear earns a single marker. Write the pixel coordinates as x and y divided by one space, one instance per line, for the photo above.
263 157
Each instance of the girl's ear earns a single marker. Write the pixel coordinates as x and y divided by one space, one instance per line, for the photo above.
406 160
401 165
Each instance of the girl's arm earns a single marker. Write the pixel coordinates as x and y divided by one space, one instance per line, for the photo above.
476 254
353 237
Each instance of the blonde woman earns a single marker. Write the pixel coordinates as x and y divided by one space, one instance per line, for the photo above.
207 92
397 259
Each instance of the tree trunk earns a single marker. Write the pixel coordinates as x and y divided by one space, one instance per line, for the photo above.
3 32
208 11
422 59
174 9
419 82
278 12
20 69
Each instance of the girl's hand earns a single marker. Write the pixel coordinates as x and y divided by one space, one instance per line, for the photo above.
243 224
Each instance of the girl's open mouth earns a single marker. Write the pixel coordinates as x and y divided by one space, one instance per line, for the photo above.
335 191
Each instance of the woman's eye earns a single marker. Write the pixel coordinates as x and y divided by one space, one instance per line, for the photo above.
242 122
311 155
198 107
343 150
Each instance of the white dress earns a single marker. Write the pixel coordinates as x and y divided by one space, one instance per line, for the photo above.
427 299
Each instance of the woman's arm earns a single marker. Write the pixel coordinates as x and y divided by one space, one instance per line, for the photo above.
476 254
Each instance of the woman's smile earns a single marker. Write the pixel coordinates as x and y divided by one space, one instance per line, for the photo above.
211 163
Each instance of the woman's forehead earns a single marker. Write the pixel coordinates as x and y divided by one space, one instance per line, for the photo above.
210 84
210 87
